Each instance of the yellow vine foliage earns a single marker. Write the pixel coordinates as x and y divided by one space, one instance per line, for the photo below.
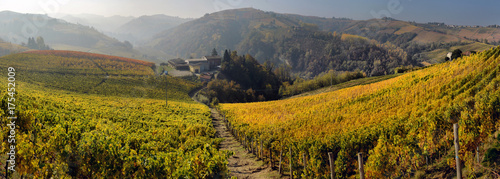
396 122
108 132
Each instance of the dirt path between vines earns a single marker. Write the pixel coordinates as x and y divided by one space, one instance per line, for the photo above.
242 164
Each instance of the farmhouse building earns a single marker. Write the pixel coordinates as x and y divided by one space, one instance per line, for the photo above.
213 61
206 63
178 64
198 65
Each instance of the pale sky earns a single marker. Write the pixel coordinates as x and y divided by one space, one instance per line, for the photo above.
459 12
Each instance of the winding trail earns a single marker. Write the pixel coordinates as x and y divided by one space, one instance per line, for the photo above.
241 164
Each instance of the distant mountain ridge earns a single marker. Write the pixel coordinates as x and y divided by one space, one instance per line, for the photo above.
102 23
279 38
144 27
61 35
305 42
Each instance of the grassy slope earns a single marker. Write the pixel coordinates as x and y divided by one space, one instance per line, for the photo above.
396 122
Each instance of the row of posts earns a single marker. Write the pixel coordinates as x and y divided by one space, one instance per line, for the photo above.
249 145
258 150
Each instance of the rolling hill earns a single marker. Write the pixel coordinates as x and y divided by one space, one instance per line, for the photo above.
275 37
102 23
60 35
7 48
143 28
398 124
84 115
289 38
437 56
425 32
95 74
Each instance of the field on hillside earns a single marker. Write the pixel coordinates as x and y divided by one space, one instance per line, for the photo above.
8 48
351 83
95 74
69 127
396 123
438 55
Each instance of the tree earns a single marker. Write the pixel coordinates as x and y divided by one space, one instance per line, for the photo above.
40 42
214 52
226 59
456 54
268 65
32 43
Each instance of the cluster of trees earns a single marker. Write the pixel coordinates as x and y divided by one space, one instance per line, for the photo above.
310 52
454 55
247 80
38 44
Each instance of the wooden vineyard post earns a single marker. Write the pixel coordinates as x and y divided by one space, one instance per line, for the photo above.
280 170
477 154
361 168
457 150
244 141
291 162
426 162
250 145
250 142
254 147
262 149
271 157
332 169
166 92
305 162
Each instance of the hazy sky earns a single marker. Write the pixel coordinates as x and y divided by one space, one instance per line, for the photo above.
460 12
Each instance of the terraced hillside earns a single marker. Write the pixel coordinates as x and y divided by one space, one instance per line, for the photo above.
397 123
84 115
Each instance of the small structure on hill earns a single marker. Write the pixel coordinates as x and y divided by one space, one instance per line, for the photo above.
206 63
197 65
178 64
213 61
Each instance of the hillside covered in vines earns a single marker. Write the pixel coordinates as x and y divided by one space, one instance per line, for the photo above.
83 115
397 123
